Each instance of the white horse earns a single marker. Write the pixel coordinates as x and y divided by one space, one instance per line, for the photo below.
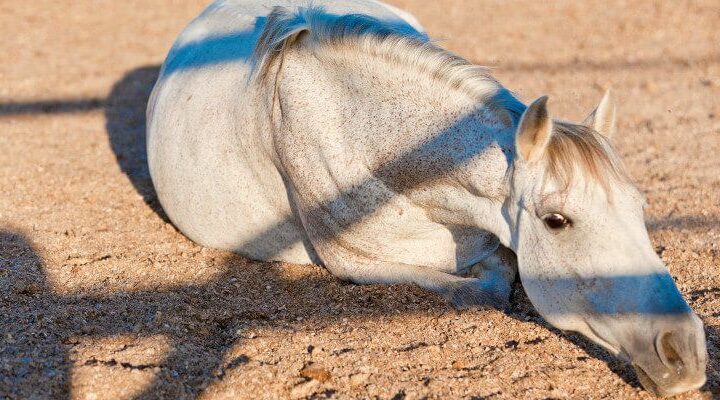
338 134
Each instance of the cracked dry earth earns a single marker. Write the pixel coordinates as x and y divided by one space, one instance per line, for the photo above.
101 298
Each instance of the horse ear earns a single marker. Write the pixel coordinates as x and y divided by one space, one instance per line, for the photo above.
602 119
534 130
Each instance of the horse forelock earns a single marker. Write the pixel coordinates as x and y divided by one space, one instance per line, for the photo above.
398 43
575 148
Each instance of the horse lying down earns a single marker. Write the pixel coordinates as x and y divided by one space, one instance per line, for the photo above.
339 134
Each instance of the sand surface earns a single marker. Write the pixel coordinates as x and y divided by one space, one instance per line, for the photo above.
101 298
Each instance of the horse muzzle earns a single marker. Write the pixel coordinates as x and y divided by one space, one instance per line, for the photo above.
672 357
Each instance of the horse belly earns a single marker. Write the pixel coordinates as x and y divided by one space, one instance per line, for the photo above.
211 173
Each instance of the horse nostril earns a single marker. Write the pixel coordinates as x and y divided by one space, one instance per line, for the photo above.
668 353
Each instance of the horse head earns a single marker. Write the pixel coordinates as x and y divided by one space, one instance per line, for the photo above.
584 255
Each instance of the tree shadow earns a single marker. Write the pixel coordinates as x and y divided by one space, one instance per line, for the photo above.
34 358
55 106
586 65
202 322
691 222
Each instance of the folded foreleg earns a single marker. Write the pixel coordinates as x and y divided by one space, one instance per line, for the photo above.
490 289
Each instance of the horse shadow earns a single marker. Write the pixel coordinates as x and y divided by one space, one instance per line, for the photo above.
125 124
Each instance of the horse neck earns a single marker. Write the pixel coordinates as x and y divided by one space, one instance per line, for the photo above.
419 135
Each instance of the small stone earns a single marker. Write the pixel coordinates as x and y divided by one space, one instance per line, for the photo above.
312 371
459 364
511 344
360 379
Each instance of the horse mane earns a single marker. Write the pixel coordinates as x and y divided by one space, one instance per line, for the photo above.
395 42
574 145
571 145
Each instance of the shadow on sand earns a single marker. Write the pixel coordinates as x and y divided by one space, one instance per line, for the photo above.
201 322
125 124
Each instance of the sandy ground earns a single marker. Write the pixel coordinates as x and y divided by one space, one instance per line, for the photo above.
101 298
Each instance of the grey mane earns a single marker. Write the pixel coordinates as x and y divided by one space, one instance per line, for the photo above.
396 42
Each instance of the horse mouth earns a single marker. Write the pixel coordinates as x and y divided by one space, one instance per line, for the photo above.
646 381
651 386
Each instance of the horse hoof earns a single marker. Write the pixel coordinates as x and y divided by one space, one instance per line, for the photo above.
472 295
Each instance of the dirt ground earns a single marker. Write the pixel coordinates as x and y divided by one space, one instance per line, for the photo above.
101 298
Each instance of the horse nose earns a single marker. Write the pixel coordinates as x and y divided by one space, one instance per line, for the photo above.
681 349
680 357
676 353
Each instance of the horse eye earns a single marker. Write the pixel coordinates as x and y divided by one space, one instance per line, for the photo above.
556 221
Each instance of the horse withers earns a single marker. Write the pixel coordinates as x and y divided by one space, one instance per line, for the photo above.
339 134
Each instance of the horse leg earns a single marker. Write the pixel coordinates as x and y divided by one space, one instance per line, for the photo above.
498 271
486 291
